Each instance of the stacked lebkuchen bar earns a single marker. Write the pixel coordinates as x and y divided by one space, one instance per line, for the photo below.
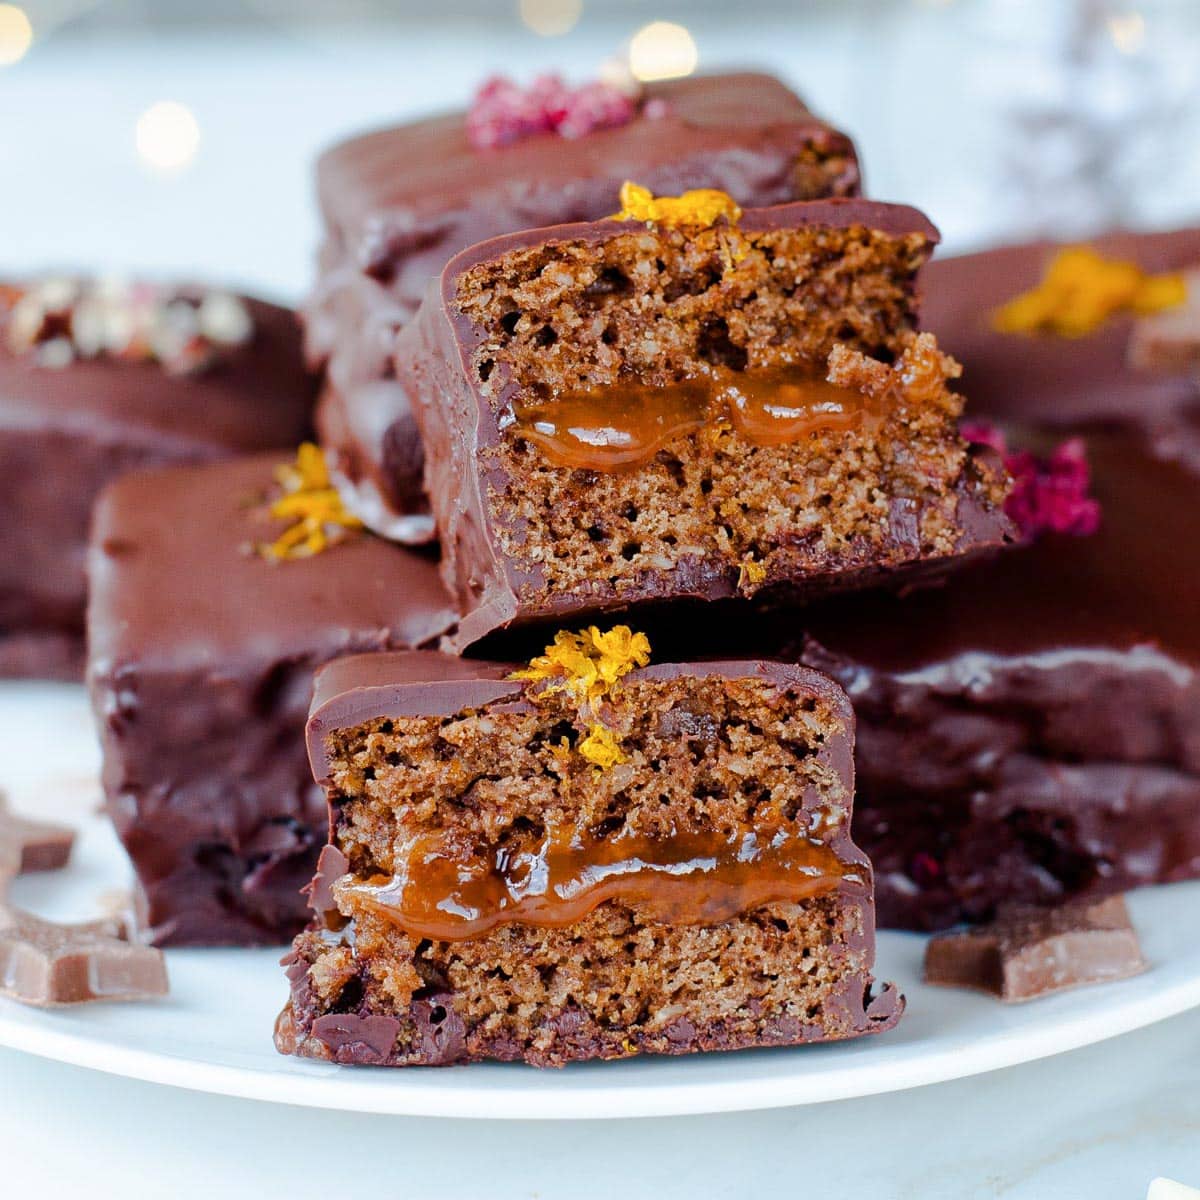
599 854
580 777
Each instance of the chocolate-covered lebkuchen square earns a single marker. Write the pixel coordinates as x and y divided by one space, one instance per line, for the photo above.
97 379
212 604
689 401
589 858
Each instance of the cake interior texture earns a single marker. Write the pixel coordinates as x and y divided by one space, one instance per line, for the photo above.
711 353
502 897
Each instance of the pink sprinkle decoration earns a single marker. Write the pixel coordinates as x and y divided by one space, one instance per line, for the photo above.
1049 495
503 112
980 433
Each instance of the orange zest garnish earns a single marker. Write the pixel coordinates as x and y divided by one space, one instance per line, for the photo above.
750 573
588 666
600 747
318 518
698 208
1081 290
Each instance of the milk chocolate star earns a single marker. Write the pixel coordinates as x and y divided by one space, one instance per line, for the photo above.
44 963
1028 951
27 845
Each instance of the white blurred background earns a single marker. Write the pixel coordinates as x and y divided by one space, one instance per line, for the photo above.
177 136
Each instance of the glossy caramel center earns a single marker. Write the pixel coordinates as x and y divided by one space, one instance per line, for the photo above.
615 428
695 879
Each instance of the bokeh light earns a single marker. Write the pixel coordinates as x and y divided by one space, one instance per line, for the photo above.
1128 31
167 137
16 34
662 50
550 18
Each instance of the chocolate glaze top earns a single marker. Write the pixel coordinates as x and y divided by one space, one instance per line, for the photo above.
349 691
1134 584
159 535
1041 377
386 193
837 212
255 397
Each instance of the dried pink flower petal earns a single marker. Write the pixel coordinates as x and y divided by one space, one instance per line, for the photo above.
924 869
503 112
1050 494
983 434
595 106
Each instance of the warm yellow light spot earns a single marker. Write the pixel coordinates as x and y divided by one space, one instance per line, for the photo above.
588 664
16 34
600 748
167 137
1081 290
662 50
1128 31
701 207
550 18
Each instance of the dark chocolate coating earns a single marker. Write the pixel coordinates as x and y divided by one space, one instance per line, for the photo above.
1031 729
392 500
354 690
66 432
458 421
201 661
1043 378
399 203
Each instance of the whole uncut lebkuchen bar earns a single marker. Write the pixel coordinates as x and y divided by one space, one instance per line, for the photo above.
97 379
1033 731
690 402
554 868
398 203
212 604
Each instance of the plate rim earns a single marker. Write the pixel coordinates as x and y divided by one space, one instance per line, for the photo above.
329 1086
745 1081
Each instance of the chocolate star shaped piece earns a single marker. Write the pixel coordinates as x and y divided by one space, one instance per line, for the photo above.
30 845
45 963
1029 951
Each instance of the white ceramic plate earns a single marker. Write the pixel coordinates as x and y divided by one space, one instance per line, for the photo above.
213 1032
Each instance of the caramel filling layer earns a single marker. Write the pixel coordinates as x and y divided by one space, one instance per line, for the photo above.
695 879
616 428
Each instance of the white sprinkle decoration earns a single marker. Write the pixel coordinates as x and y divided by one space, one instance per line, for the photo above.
57 321
225 319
